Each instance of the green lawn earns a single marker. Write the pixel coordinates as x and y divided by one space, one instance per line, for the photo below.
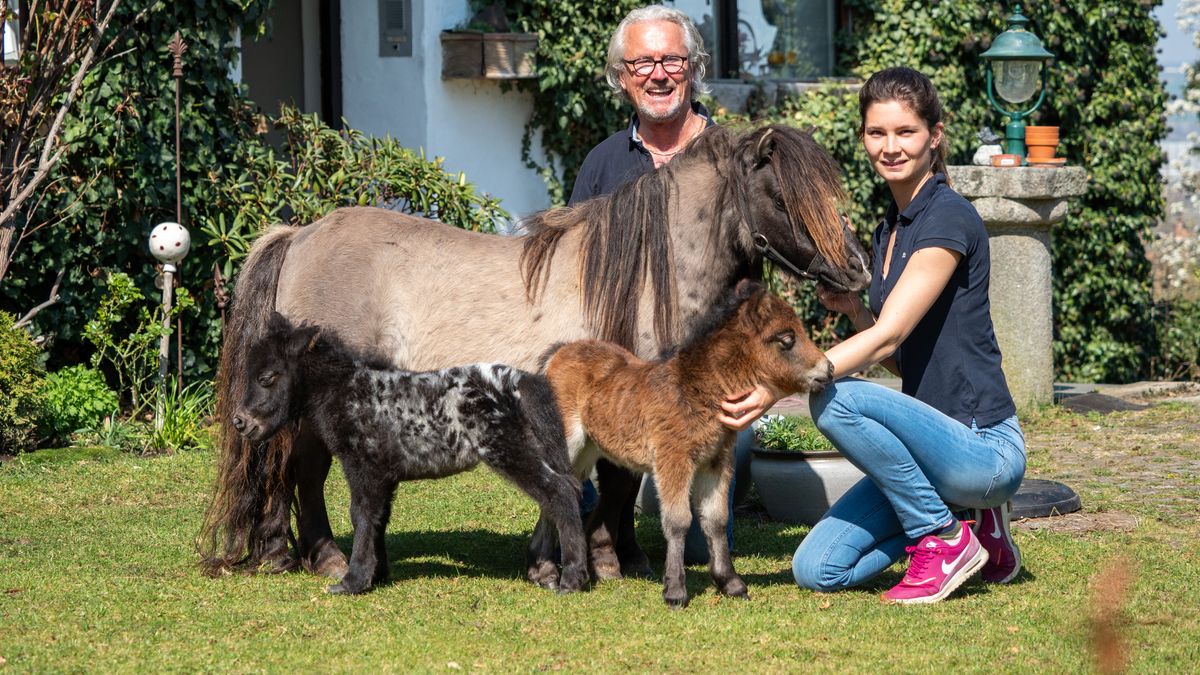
97 573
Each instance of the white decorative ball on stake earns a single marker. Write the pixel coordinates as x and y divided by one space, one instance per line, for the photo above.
169 242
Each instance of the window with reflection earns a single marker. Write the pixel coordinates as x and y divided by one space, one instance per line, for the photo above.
767 39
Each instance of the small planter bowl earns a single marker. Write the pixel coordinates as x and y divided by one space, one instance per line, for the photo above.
799 487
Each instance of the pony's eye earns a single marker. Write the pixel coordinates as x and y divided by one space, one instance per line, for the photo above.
266 379
786 339
779 204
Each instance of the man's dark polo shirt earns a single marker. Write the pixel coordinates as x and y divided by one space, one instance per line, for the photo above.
615 161
951 360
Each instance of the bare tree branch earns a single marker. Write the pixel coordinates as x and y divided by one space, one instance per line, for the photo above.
24 321
64 30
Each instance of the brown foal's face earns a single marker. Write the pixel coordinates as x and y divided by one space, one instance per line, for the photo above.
788 360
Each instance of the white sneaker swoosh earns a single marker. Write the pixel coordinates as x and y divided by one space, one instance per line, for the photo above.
948 567
997 533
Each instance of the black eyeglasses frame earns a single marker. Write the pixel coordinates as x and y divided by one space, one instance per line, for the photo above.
631 64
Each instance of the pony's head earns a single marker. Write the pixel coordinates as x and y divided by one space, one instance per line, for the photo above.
754 337
273 379
776 346
792 193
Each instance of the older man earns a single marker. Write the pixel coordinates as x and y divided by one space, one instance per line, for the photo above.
656 61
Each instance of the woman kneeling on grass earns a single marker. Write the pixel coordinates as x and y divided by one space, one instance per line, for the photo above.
951 437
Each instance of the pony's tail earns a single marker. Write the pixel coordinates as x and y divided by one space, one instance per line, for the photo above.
541 409
249 476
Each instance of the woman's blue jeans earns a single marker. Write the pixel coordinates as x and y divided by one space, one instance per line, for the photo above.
920 465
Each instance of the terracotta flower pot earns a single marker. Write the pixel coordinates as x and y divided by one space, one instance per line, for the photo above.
1039 152
1041 135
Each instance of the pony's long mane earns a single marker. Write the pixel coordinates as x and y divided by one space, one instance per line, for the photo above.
627 232
810 181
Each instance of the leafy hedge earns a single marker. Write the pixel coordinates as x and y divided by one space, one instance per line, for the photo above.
22 388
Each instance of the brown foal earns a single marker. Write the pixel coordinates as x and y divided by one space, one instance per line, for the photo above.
661 416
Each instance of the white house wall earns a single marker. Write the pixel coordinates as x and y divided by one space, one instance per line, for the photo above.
471 123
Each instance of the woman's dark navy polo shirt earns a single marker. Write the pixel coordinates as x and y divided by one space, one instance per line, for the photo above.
951 360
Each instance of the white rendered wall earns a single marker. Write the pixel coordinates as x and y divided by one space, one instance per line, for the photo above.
471 123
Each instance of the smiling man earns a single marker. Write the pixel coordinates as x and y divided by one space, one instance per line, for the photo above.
656 61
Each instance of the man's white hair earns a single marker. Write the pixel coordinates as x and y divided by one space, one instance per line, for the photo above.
697 57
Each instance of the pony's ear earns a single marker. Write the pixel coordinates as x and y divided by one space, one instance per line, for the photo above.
755 149
750 296
302 340
278 323
746 288
764 147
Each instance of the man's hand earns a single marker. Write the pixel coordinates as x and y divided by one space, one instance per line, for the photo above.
743 408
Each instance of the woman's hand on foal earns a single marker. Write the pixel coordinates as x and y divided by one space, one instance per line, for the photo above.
740 410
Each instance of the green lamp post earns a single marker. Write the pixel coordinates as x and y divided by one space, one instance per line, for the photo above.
1016 70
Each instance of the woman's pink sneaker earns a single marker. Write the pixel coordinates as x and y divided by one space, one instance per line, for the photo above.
936 568
995 535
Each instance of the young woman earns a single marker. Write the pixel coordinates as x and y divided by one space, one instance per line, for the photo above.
951 440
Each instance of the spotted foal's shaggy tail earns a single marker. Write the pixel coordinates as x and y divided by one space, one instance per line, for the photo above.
250 477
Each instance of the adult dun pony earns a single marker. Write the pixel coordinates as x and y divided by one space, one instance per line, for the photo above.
661 416
388 425
638 268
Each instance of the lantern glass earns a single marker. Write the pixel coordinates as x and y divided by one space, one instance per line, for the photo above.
1017 81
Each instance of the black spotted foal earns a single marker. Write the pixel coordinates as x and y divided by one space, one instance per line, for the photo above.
388 425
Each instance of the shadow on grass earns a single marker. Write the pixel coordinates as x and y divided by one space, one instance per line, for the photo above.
472 553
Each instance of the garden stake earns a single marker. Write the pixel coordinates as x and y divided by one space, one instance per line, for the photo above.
177 47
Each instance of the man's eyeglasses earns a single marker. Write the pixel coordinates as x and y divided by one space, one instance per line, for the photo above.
672 65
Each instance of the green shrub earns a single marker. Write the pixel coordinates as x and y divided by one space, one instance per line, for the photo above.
22 388
1178 326
130 346
186 420
77 398
322 169
791 433
115 433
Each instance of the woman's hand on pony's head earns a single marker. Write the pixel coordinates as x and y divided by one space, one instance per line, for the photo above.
838 301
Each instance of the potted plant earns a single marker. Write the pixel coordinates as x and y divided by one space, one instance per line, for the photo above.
797 472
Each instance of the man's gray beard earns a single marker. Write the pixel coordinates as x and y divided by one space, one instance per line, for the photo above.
675 112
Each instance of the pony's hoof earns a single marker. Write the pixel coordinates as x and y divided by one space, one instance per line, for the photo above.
635 564
604 563
328 561
281 565
544 574
573 579
346 588
606 570
676 600
736 588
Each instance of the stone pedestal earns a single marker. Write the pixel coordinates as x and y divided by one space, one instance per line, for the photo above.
1019 205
